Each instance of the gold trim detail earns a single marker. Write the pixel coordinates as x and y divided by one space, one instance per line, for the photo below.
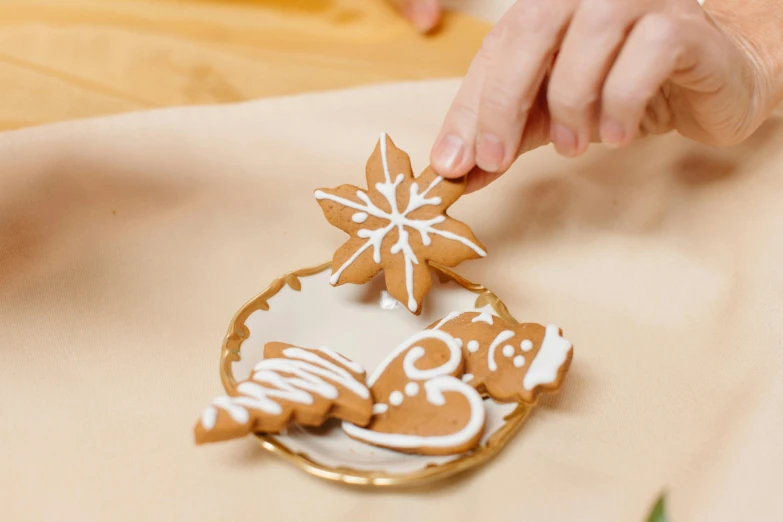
238 332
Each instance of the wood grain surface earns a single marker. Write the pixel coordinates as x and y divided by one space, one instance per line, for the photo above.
66 59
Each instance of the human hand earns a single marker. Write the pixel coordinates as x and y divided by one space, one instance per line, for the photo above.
425 15
579 71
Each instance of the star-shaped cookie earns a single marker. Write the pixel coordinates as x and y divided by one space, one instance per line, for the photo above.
398 225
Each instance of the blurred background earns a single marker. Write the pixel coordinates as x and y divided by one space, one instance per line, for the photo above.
67 59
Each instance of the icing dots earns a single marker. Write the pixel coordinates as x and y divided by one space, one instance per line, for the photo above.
502 337
395 398
434 383
379 408
510 361
360 217
396 219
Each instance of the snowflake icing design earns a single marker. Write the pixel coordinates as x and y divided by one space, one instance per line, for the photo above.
365 208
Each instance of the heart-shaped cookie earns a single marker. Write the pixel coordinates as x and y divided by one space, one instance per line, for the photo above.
509 362
420 404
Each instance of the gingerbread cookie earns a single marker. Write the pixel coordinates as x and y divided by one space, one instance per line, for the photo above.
510 363
421 406
290 384
398 225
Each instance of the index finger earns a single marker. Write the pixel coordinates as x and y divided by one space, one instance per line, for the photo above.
531 32
453 153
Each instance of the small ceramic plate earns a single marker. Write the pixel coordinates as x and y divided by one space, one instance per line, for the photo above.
363 323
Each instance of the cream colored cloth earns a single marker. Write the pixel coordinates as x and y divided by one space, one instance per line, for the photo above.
127 243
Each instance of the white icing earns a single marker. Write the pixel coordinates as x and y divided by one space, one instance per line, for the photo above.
449 317
209 418
473 346
237 413
332 371
519 361
436 381
411 389
416 352
434 389
379 408
508 350
502 337
467 377
351 365
526 345
359 217
388 302
546 365
483 317
395 398
398 220
305 375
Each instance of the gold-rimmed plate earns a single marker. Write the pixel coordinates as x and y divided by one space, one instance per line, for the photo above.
363 323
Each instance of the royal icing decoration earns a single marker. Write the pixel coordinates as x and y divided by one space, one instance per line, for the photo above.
424 390
299 382
509 362
483 317
551 357
394 225
501 338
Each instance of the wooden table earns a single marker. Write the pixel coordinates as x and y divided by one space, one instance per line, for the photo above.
66 59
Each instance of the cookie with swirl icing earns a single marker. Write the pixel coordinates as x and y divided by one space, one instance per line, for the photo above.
421 404
509 363
291 384
398 225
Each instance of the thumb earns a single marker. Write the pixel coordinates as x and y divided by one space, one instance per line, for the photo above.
425 15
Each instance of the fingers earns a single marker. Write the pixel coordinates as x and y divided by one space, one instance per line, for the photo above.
530 32
487 120
595 35
425 15
535 135
661 47
453 154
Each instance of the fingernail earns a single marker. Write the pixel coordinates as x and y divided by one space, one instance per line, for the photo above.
612 134
425 17
564 139
489 153
448 153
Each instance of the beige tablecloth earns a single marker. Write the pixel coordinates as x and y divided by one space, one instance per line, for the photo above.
127 243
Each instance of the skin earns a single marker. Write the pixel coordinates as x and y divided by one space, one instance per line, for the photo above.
425 15
574 72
